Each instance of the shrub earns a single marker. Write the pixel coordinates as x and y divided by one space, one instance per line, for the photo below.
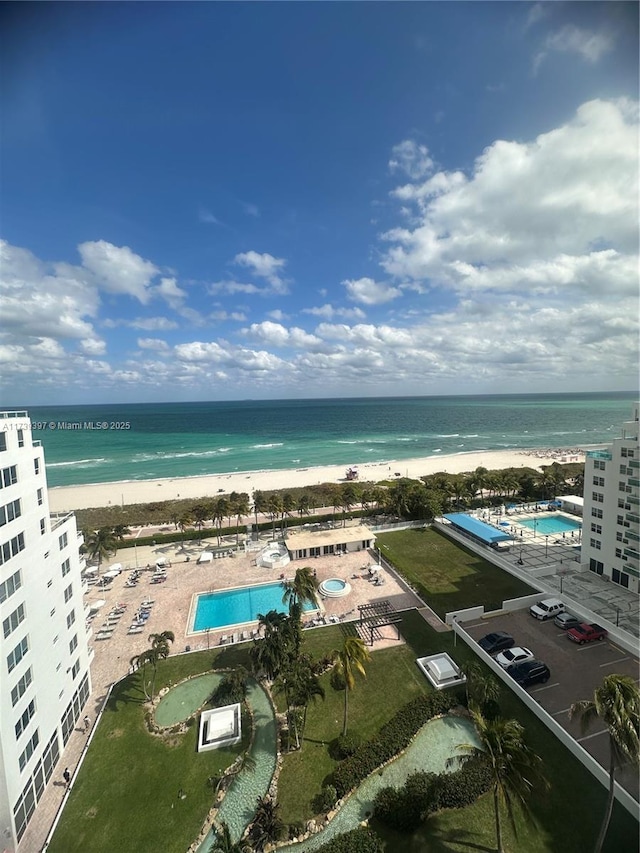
326 799
361 840
345 745
392 738
296 830
464 786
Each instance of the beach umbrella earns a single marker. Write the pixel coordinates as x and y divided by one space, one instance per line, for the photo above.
96 605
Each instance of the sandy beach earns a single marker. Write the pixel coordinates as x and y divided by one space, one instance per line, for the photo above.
65 498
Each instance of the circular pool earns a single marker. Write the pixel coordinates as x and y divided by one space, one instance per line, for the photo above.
334 588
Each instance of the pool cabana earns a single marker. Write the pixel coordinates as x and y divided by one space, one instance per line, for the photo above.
478 530
319 542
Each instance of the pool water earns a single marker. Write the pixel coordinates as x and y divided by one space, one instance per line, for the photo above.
237 606
437 741
549 526
334 585
184 700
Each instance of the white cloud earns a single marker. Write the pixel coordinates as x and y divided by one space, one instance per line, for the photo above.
220 316
229 286
264 266
169 291
328 312
536 13
589 46
153 344
369 292
116 269
277 335
411 158
207 217
251 209
93 346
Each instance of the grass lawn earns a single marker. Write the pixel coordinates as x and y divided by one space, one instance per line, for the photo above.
446 575
567 817
125 796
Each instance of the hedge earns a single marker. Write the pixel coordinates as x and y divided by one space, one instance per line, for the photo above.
360 840
392 738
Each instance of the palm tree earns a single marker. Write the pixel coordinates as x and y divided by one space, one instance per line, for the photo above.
288 506
274 508
617 703
141 660
349 660
200 513
305 505
267 827
349 498
270 653
515 768
120 531
240 510
159 651
183 522
299 685
259 504
100 544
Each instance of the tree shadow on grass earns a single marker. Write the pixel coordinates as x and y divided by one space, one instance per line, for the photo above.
432 837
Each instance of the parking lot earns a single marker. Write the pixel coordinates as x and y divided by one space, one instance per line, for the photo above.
575 672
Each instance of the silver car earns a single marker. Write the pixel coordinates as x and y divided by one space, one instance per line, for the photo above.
566 620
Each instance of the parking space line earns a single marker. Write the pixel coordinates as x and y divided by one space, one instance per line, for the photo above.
546 687
617 660
474 625
595 734
557 713
588 646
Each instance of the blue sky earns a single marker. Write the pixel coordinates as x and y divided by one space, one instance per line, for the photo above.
222 201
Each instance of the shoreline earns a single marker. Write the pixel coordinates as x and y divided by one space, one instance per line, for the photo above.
90 495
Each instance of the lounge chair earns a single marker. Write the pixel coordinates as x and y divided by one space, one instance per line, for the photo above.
224 639
235 638
244 636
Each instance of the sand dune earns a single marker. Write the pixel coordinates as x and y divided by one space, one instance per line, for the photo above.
63 498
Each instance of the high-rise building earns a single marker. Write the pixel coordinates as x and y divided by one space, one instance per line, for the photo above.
611 522
44 656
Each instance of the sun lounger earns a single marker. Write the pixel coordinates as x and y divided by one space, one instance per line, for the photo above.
224 639
244 636
254 634
134 630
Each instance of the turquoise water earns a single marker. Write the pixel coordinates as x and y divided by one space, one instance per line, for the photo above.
334 585
184 700
549 526
239 805
435 743
190 439
237 606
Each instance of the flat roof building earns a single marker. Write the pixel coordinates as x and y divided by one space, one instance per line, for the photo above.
611 519
44 654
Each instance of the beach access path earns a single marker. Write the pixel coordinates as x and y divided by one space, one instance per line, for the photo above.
66 498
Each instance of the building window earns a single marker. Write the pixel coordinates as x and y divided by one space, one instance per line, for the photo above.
13 620
43 526
73 644
596 566
71 618
9 477
8 587
10 511
596 528
25 718
3 441
36 465
595 512
40 497
619 536
597 497
20 438
66 567
595 543
29 750
68 593
20 689
55 640
598 481
49 583
12 547
75 669
62 541
620 519
14 657
618 553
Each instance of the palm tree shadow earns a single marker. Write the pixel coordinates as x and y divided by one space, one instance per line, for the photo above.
430 836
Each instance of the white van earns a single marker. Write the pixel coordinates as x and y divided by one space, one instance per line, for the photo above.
547 609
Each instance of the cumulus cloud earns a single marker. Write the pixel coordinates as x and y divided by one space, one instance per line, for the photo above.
411 158
205 216
117 269
153 344
369 292
264 266
277 335
588 45
232 287
328 312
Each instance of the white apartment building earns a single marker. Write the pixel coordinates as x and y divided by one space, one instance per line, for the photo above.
611 519
44 657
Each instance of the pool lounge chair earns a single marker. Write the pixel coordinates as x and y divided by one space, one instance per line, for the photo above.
244 636
134 630
224 639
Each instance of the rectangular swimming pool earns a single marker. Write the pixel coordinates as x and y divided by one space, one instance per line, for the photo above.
551 525
237 606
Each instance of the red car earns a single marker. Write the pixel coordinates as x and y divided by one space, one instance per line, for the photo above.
586 633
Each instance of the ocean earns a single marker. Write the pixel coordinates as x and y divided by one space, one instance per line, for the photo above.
99 444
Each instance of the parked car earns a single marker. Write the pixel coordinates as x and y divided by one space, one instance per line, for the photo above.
496 642
529 672
518 654
547 608
566 620
585 633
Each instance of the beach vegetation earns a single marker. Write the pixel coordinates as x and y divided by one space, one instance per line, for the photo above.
101 544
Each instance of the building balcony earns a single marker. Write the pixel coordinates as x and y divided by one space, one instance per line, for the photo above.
58 518
633 517
632 554
633 499
599 454
634 537
633 481
6 415
633 463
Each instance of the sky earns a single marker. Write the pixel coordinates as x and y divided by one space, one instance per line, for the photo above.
218 201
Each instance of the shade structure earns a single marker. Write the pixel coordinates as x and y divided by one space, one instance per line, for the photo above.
96 605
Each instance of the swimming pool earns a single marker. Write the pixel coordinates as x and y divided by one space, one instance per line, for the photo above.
551 525
237 606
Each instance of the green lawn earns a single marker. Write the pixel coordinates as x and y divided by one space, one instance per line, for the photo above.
125 797
446 575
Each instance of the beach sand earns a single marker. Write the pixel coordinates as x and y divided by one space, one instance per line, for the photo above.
65 498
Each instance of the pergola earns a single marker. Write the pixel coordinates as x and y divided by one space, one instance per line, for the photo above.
374 616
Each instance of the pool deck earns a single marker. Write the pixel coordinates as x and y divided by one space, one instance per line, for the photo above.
170 612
